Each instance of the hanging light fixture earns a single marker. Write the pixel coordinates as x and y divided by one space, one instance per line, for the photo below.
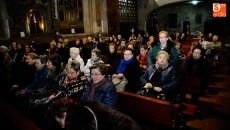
194 2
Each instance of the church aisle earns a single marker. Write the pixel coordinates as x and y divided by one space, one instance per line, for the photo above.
214 106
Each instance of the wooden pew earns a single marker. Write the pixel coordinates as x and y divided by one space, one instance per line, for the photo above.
153 110
190 84
18 119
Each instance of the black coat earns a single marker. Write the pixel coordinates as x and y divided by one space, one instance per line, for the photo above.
132 74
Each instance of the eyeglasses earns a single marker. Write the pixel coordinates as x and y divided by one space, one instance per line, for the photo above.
95 74
128 54
162 37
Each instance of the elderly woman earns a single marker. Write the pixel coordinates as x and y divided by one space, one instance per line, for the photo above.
95 58
74 53
69 91
161 78
207 50
100 88
72 84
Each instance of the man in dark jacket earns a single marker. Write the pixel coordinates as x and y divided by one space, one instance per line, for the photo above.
197 67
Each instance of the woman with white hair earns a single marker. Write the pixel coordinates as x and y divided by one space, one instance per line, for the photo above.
207 50
74 53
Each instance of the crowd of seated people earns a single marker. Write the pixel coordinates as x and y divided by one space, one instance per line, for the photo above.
39 77
60 77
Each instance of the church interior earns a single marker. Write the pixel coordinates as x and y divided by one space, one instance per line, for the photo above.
39 23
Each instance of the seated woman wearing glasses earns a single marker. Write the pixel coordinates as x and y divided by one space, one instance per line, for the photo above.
161 78
100 88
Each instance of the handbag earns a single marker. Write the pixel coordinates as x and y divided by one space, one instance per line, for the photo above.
120 83
149 92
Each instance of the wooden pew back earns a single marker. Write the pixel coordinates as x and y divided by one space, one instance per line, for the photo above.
154 110
148 108
190 84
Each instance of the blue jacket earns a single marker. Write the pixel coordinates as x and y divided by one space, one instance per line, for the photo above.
105 93
39 80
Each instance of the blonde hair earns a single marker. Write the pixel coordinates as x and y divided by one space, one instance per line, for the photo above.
164 32
53 44
151 37
164 53
75 65
32 55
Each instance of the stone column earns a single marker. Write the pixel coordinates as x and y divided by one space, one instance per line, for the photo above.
87 16
95 16
4 21
104 19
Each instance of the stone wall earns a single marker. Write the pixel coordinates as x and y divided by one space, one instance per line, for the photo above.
197 15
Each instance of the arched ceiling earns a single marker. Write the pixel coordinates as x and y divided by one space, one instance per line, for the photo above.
165 2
